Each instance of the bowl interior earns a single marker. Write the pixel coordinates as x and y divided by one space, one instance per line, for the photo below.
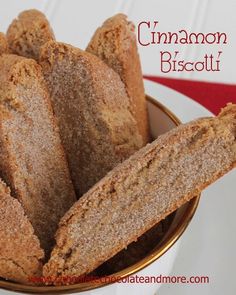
150 246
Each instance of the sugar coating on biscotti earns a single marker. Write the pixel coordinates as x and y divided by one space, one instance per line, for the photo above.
141 191
28 32
3 44
20 253
32 160
115 43
97 127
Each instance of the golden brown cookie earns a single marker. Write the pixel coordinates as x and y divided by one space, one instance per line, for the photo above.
115 43
32 160
20 253
28 33
3 44
97 128
143 190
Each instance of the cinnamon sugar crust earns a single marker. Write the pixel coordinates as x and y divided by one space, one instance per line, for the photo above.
3 44
32 160
97 128
28 32
115 43
20 253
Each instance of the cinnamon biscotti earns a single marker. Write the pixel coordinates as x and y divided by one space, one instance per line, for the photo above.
115 43
143 190
20 253
28 33
97 128
3 44
32 160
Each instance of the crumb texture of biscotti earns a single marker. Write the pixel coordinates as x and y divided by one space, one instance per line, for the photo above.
32 160
97 128
115 43
143 190
3 44
28 33
20 253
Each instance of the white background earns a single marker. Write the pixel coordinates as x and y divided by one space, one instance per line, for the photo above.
74 21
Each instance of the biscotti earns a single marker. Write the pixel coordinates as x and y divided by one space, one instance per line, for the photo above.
3 44
115 43
28 33
20 253
97 128
32 160
143 190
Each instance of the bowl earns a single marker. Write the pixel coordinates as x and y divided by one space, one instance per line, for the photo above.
142 257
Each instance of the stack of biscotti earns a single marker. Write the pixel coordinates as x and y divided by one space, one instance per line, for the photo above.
100 113
97 118
141 191
32 160
20 254
98 129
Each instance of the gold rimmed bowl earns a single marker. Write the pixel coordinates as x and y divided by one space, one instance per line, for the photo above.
141 256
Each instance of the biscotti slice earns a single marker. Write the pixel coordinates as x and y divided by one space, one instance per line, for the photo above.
28 33
20 253
97 128
3 44
32 160
141 191
115 43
